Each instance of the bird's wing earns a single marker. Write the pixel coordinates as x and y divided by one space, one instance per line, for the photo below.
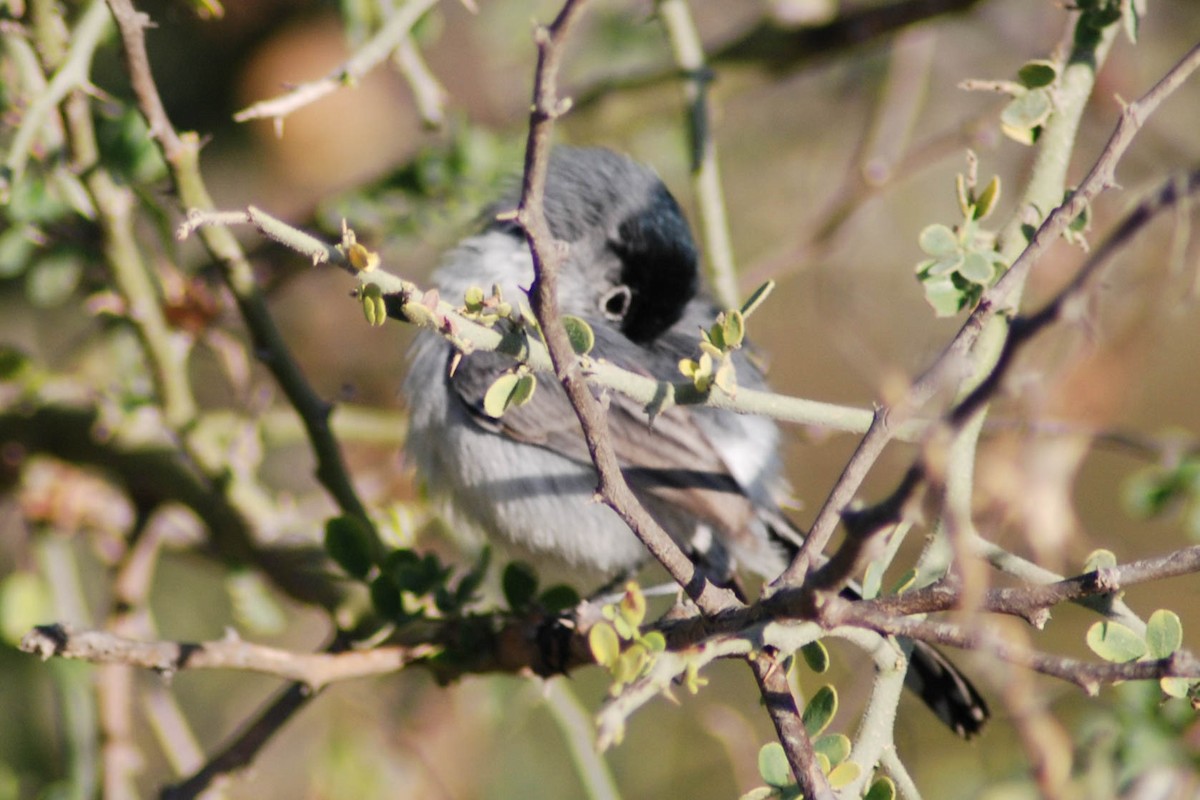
669 458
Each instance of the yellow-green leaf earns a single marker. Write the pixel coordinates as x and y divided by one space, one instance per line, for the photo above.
523 391
881 789
499 395
604 644
1036 74
844 775
1099 559
938 240
734 329
835 746
1112 641
986 202
580 333
820 710
1164 633
757 297
904 582
816 656
773 766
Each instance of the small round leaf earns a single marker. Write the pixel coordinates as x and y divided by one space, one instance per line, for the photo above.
938 240
816 656
844 775
499 395
519 583
348 543
604 644
835 746
1164 633
1112 641
820 710
580 333
1036 74
881 789
773 766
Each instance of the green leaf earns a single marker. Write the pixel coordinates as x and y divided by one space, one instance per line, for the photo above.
1112 641
904 582
629 664
52 280
872 580
1099 559
1156 490
1175 687
580 333
881 789
16 250
759 793
519 584
1024 113
773 766
985 204
604 644
385 597
726 377
632 607
12 362
473 299
348 542
1133 21
558 598
820 710
835 746
945 298
374 306
1036 74
655 641
816 656
978 268
499 395
254 607
844 775
1164 633
523 392
734 329
25 601
756 298
938 241
413 573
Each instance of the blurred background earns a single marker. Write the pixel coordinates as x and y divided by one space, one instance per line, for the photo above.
834 156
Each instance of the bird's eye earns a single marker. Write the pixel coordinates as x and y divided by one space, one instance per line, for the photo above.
615 302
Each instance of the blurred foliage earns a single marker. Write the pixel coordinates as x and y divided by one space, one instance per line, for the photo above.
112 517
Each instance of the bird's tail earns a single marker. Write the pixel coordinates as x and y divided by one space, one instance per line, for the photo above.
932 676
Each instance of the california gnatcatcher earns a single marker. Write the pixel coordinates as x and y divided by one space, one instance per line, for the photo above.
711 478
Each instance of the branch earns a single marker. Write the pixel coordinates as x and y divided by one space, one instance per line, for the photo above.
314 670
956 357
548 256
389 39
771 676
182 154
681 30
1088 675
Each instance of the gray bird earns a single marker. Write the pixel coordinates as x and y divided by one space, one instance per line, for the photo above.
711 478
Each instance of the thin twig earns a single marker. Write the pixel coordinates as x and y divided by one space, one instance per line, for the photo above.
548 255
373 53
314 670
771 676
676 18
957 354
182 154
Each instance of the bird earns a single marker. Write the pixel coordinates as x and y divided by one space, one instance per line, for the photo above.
712 478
